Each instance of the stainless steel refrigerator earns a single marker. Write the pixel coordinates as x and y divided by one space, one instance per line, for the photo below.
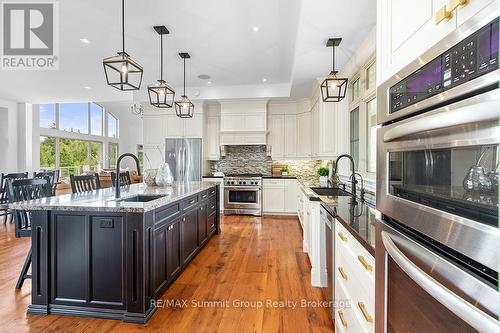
184 156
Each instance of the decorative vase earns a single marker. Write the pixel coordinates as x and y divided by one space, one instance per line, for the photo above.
323 181
164 176
149 176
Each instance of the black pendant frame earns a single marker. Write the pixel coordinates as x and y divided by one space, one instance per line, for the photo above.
121 71
161 95
184 108
333 88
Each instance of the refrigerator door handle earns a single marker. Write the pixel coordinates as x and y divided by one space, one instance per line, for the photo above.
463 309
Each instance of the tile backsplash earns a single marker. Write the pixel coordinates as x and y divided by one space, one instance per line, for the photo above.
253 159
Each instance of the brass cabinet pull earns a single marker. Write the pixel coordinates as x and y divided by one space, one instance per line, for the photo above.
442 14
342 236
368 318
453 4
342 319
212 225
365 264
342 273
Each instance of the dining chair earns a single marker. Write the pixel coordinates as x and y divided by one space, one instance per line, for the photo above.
53 176
124 178
5 212
84 183
21 190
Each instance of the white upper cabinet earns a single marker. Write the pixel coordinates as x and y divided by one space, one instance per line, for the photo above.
193 127
407 29
243 116
174 127
276 137
304 134
212 138
290 136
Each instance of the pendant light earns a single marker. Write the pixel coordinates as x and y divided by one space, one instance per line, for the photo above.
121 71
184 108
333 89
160 93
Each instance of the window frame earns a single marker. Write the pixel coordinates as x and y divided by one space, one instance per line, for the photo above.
117 126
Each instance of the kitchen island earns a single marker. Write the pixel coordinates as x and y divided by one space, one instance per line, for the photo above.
97 256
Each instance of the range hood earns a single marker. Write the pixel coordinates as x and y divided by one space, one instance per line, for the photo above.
243 122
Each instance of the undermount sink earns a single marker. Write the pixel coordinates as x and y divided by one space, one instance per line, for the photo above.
142 198
330 191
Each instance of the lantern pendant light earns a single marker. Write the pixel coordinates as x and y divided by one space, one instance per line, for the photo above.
184 108
333 89
121 71
161 94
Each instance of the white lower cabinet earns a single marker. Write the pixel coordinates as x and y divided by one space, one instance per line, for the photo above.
354 284
279 196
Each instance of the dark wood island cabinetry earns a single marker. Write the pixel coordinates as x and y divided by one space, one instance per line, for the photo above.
96 256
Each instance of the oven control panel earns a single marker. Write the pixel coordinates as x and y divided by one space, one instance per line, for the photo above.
472 57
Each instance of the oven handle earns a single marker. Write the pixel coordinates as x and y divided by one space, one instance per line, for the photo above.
241 188
463 309
466 114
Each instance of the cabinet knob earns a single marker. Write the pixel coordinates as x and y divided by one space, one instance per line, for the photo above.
201 208
184 219
191 202
212 225
442 14
342 236
170 227
212 207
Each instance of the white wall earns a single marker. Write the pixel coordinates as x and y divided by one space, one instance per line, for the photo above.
8 135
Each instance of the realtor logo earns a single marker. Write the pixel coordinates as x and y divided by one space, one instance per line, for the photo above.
30 37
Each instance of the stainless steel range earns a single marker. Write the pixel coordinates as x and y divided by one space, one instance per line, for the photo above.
243 194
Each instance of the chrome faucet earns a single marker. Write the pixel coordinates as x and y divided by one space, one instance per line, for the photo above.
117 180
353 175
362 194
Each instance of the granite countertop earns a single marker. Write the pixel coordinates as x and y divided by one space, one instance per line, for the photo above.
104 200
279 177
358 217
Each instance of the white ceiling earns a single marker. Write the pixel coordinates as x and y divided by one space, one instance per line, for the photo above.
288 50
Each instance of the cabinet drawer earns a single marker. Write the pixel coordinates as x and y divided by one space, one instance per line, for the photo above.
163 214
273 183
212 191
189 202
211 205
211 224
361 256
203 195
346 319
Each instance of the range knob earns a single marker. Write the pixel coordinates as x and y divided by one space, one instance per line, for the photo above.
244 183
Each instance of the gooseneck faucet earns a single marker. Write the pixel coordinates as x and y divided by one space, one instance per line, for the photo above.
353 175
117 180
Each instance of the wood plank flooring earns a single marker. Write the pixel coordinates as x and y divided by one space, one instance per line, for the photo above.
228 287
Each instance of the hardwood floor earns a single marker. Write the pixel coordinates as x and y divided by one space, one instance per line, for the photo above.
228 287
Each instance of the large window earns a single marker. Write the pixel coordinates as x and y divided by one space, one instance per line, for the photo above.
363 118
96 113
74 117
48 116
113 154
371 137
47 153
354 140
112 126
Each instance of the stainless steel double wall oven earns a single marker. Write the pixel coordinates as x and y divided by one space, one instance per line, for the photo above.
438 244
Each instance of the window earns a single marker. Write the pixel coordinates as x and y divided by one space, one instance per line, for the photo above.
47 115
355 90
140 155
95 156
95 119
354 126
74 157
113 153
47 153
112 126
371 137
73 117
371 77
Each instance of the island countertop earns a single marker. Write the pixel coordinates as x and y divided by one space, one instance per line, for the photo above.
104 200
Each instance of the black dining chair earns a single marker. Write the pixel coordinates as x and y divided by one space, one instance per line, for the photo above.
124 178
21 190
5 212
84 183
53 176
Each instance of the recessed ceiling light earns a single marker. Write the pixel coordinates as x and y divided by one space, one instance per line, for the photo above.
85 40
86 87
264 80
209 82
204 76
255 29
